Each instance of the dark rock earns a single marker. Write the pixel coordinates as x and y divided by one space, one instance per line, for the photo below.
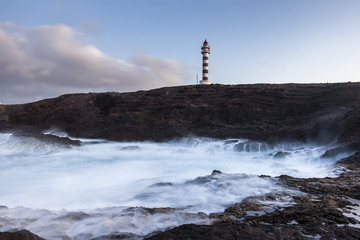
216 172
19 235
232 231
281 154
351 162
130 148
48 138
239 210
316 215
162 184
265 176
319 214
334 152
125 236
76 216
260 112
231 141
104 102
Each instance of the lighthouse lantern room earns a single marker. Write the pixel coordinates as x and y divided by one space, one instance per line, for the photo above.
205 51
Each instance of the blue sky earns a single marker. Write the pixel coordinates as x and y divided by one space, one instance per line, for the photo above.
143 44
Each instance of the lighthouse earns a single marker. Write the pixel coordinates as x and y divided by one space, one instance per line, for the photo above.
205 51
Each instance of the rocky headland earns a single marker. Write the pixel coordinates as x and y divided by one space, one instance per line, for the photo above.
265 112
271 113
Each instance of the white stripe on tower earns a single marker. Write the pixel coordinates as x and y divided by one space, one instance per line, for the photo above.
205 51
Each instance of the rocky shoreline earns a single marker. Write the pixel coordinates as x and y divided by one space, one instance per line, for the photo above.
329 209
320 113
19 235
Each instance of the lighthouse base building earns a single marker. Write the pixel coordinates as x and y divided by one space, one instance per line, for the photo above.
205 82
205 51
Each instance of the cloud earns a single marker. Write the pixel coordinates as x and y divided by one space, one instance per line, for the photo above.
46 61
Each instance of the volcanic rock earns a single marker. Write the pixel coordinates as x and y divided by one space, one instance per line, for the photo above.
48 138
267 113
19 235
317 215
281 154
262 112
216 172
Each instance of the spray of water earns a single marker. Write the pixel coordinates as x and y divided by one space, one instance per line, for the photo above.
104 187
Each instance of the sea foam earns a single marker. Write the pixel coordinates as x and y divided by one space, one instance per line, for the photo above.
103 186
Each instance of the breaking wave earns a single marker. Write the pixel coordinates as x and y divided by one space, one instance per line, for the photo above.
105 187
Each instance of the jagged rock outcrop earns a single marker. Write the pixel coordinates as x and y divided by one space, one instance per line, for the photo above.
268 112
48 138
324 212
19 235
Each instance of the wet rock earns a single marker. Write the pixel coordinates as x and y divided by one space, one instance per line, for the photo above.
229 232
317 214
281 154
130 148
164 210
351 162
231 141
308 211
265 176
48 138
125 236
240 210
19 235
162 184
334 152
216 172
74 216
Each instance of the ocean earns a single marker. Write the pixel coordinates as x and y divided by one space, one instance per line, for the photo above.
105 187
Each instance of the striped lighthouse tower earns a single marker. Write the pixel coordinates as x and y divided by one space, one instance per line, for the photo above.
205 51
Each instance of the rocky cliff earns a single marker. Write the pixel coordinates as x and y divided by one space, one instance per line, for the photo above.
268 112
321 113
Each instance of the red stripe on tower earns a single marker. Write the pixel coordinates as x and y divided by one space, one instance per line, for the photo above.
205 51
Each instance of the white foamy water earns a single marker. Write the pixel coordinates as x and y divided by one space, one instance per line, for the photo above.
101 187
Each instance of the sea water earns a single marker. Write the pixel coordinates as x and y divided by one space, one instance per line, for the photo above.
105 187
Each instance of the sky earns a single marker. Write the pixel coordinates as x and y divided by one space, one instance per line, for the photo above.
53 47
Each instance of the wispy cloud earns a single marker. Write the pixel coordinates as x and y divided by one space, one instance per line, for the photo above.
46 61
